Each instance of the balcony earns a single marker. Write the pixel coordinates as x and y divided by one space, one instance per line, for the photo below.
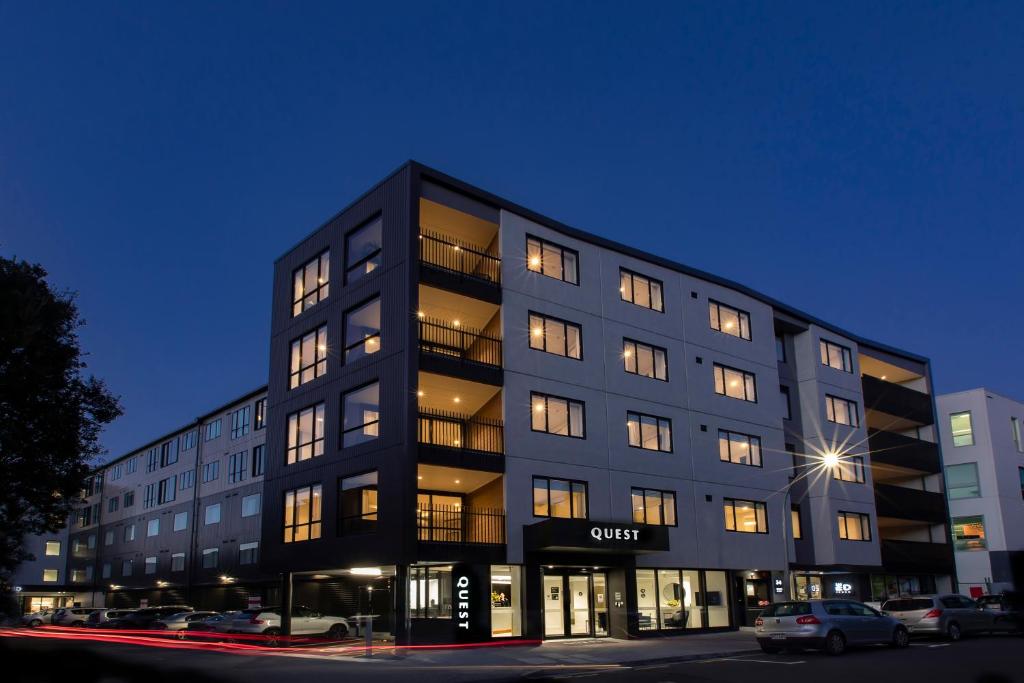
459 525
913 557
450 347
903 503
460 266
456 440
902 407
898 452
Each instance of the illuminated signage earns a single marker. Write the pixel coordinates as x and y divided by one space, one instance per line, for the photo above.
462 601
609 534
842 588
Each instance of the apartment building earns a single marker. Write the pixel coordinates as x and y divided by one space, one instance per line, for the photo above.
41 583
984 458
486 424
178 520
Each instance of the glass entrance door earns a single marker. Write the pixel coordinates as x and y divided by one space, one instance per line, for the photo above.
554 613
575 604
580 623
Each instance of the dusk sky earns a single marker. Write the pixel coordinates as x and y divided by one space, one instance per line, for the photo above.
863 163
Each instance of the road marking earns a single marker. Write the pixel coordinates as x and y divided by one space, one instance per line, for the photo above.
940 645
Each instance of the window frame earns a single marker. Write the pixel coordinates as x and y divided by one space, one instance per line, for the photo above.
241 420
364 522
845 355
651 281
757 504
856 462
643 491
541 244
259 504
259 414
633 355
796 522
341 418
543 336
630 414
315 493
716 367
359 346
741 315
250 551
852 410
238 466
842 526
969 434
750 439
348 269
534 395
299 305
961 545
570 483
318 366
259 460
950 489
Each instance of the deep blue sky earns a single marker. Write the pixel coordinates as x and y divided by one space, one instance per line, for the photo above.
865 164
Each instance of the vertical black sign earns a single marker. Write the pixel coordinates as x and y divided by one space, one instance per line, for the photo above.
466 611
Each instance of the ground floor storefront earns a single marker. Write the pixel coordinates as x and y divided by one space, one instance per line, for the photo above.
870 587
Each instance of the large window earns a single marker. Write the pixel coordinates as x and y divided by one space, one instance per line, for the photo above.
148 496
962 481
212 514
641 290
260 420
359 503
729 320
248 553
849 468
211 471
238 467
649 432
251 504
552 260
363 250
960 426
559 498
212 430
836 356
187 440
841 411
169 453
311 283
308 357
258 458
969 533
52 548
745 516
211 557
167 490
302 514
240 422
854 526
506 601
735 383
430 592
739 449
654 507
305 434
645 360
362 331
360 415
556 415
556 336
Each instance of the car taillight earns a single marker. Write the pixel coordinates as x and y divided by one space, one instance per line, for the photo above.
759 622
932 614
256 620
810 619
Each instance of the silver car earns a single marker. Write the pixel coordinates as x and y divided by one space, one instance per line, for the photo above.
950 615
179 621
829 625
73 616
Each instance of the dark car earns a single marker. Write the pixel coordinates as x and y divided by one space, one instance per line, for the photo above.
1008 609
106 618
143 618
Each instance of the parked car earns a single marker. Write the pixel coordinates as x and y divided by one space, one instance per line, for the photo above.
1008 609
179 621
72 616
217 623
305 621
143 618
950 615
829 625
36 619
106 617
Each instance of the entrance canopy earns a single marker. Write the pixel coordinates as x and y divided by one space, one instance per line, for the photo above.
582 535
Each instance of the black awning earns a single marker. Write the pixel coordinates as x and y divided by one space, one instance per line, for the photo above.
557 534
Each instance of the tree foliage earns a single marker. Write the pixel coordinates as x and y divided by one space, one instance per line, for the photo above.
51 414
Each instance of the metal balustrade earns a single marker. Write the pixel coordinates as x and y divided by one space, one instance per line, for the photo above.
461 432
464 344
448 254
460 525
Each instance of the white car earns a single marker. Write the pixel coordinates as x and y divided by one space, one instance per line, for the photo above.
73 616
43 616
305 621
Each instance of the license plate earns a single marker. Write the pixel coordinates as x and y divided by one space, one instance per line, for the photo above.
778 636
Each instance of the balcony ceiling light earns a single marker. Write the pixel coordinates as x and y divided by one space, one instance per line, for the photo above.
365 571
457 399
458 481
420 394
456 323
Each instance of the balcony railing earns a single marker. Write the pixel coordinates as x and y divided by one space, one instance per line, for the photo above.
914 556
448 254
460 525
903 503
889 448
896 400
461 432
463 344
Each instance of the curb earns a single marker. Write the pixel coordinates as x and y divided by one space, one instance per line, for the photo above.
675 659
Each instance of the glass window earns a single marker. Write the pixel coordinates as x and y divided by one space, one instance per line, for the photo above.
849 468
181 521
308 357
53 548
302 514
363 250
50 575
962 481
169 453
746 516
647 599
211 471
787 411
178 562
306 434
251 505
430 592
649 432
780 348
556 415
654 507
238 467
311 283
260 420
258 457
715 599
740 449
126 567
645 360
559 498
167 489
108 537
105 571
552 335
248 553
362 331
641 290
1020 471
548 258
212 514
153 527
129 533
969 533
729 320
836 356
361 415
854 526
150 567
131 466
794 518
212 430
240 422
359 503
186 480
210 558
960 425
735 383
841 411
506 603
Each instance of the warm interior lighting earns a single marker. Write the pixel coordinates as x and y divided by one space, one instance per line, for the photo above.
535 261
537 332
365 571
733 383
457 399
830 459
421 314
226 579
456 323
728 325
538 407
627 353
883 377
456 442
322 347
458 481
455 248
420 477
420 394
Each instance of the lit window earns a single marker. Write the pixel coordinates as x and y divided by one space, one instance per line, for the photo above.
969 533
735 383
854 526
745 516
729 320
302 514
794 518
849 468
739 449
962 481
308 357
556 415
555 336
311 283
641 290
649 432
260 419
836 356
645 360
960 425
552 260
559 498
841 411
50 575
53 548
654 507
359 503
362 331
363 250
360 420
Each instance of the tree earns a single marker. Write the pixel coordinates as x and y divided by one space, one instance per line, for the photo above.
50 414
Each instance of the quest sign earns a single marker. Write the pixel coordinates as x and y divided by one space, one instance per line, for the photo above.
581 535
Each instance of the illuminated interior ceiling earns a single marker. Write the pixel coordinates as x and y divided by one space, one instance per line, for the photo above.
887 371
462 226
437 478
894 523
449 394
448 306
